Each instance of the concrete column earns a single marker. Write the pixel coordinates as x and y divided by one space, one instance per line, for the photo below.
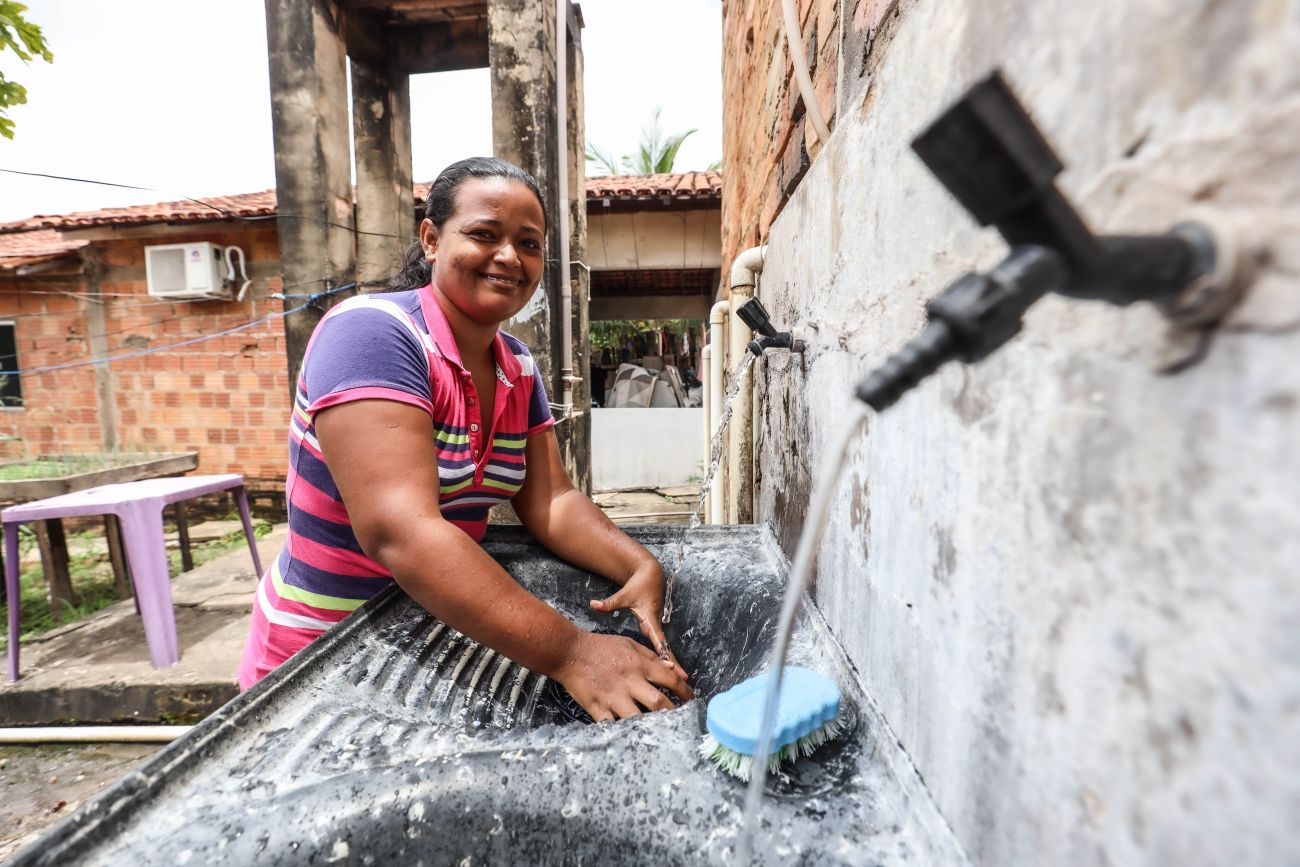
309 119
521 56
97 334
381 120
577 457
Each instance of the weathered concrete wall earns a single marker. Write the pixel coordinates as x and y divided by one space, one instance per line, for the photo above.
1069 581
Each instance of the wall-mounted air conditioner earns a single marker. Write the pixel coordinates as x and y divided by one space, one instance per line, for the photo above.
185 271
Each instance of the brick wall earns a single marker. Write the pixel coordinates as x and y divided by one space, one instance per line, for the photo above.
226 397
50 328
768 141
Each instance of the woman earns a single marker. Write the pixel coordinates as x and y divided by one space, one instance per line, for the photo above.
413 415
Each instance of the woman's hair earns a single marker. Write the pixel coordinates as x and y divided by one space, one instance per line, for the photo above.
441 204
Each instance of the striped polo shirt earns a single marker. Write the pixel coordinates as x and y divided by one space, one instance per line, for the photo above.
394 346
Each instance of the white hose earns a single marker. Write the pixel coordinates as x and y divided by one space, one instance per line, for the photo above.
794 39
92 734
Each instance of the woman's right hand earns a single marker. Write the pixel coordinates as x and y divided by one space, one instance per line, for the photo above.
613 677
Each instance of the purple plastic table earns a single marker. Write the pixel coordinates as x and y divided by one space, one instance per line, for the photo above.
138 506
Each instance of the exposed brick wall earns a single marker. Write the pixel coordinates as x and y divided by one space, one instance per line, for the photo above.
60 415
226 398
768 141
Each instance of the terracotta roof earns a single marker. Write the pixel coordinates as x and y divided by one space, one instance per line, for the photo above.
189 211
688 186
20 249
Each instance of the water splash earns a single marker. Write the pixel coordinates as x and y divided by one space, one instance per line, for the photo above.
715 458
800 571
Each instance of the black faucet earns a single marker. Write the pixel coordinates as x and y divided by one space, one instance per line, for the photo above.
989 154
755 315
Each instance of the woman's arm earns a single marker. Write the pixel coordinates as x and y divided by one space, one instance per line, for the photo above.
572 526
382 457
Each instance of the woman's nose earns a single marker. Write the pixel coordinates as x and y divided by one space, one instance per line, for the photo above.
506 254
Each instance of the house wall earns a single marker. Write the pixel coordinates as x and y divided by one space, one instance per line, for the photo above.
60 415
645 448
1066 579
226 398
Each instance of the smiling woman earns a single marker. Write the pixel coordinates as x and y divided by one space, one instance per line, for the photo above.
414 415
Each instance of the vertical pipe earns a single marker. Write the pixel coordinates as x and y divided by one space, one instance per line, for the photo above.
740 447
707 427
717 358
562 175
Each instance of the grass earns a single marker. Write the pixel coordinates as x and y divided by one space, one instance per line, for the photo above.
58 466
92 578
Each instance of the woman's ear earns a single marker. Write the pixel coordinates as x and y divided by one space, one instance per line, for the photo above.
429 240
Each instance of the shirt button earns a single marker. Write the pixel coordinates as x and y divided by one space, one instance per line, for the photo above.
473 428
476 452
470 401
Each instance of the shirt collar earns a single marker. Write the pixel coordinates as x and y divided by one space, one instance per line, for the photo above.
443 338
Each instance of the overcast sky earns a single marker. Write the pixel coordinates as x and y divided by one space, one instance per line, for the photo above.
173 95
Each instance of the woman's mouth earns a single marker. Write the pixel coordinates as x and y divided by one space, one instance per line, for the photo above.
502 280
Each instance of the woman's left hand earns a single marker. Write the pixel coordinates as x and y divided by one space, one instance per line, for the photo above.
643 595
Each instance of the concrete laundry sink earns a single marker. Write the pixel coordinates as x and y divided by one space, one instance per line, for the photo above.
393 740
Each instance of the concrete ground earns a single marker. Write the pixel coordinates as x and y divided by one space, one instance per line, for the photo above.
98 671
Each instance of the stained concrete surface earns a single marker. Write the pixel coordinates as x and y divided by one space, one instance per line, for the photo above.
1068 579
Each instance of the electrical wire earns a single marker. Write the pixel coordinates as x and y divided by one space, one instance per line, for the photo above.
109 359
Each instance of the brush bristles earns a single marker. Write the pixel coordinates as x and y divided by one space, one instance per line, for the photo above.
742 766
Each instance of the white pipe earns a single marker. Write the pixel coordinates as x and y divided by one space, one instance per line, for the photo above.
794 40
92 734
739 459
718 356
746 267
562 177
706 359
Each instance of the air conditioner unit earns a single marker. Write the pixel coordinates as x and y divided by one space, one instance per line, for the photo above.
185 271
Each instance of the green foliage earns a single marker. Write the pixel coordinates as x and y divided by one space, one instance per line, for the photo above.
610 333
25 40
655 155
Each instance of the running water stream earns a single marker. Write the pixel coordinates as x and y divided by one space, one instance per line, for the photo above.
800 571
715 458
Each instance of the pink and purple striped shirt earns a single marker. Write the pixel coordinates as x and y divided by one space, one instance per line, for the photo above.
395 346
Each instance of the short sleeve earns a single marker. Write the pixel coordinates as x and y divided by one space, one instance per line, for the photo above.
365 351
539 408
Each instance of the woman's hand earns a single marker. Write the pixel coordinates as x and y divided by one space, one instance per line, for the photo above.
643 595
613 677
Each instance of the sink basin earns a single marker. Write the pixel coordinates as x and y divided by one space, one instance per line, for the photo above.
395 740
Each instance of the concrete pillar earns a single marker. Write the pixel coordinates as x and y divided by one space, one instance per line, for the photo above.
381 120
97 334
521 54
578 455
313 178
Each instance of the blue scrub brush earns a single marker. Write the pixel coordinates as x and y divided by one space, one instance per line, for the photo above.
806 718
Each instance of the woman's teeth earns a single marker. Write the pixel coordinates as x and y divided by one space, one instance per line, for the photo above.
504 281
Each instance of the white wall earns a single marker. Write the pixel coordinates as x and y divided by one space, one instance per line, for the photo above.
1071 583
645 448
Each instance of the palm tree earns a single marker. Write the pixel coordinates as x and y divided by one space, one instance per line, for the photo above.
655 155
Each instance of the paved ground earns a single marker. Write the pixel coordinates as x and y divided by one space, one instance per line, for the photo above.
98 671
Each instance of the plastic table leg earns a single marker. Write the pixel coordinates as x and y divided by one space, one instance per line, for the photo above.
242 500
146 554
15 594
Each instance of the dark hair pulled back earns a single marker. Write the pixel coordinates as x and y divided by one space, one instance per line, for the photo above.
441 204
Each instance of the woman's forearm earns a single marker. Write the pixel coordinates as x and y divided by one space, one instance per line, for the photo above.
575 528
454 579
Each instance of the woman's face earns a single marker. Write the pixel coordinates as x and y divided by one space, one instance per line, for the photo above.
487 259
